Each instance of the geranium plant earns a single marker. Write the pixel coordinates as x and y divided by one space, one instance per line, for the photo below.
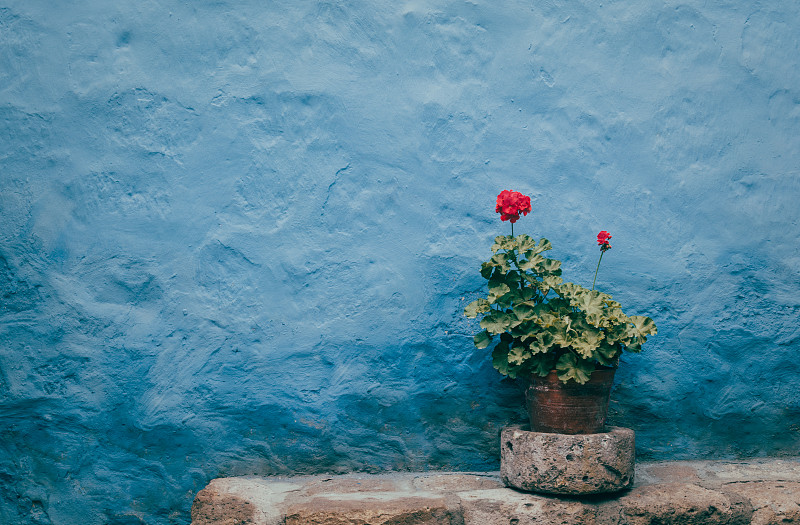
539 323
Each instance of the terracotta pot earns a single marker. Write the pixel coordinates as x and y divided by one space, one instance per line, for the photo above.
569 408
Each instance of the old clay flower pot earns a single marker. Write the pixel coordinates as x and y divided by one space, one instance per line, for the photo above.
569 408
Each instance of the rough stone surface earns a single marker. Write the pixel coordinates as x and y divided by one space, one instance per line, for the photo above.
245 500
567 464
504 506
749 494
237 236
773 502
374 509
674 504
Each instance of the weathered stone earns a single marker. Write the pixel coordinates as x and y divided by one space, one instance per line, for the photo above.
457 482
211 508
503 507
666 472
241 501
674 504
680 493
774 502
352 484
372 509
567 464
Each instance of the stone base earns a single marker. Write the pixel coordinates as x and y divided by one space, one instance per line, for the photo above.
567 464
741 492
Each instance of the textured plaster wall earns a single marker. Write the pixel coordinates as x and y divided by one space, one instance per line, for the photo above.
236 237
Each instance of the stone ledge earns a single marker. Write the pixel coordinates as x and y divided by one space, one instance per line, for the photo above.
755 492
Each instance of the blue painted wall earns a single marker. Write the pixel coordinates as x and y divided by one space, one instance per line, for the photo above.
236 237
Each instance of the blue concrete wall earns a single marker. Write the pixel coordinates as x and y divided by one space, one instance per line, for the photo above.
236 237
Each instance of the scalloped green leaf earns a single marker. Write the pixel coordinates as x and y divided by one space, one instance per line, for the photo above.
607 355
524 243
634 347
561 332
586 342
543 246
550 281
500 261
542 364
588 301
530 263
496 322
570 367
510 298
524 311
503 242
498 288
541 342
518 355
618 333
643 325
548 266
476 307
500 358
482 339
487 270
527 293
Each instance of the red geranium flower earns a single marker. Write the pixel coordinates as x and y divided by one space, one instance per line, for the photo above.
510 204
602 238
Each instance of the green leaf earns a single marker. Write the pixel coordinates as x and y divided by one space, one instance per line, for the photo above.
482 339
503 242
496 322
643 325
500 261
497 288
524 310
531 262
517 355
595 319
569 290
634 347
549 266
570 367
607 355
527 293
550 281
500 358
510 298
618 332
487 270
588 301
561 331
525 243
587 338
548 319
542 364
638 328
541 343
476 307
543 246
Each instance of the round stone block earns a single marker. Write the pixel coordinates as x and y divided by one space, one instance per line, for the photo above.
567 464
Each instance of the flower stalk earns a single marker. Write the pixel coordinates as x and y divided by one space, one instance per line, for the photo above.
602 240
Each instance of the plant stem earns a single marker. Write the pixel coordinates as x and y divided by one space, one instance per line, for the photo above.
598 268
512 229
